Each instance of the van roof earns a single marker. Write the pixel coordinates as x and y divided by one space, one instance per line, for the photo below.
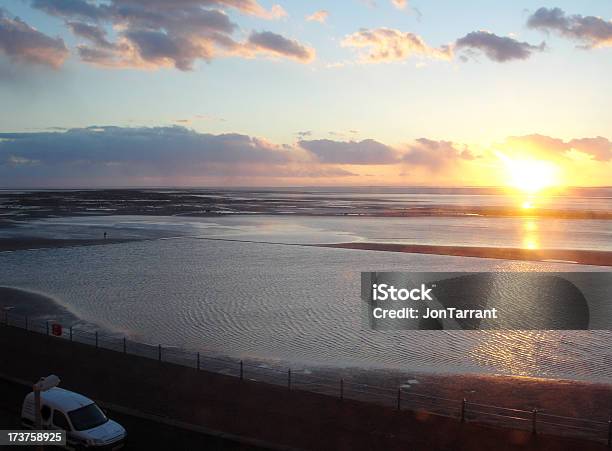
61 399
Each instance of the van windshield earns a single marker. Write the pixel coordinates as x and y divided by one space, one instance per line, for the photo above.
87 417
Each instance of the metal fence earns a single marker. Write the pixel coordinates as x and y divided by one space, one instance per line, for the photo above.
536 421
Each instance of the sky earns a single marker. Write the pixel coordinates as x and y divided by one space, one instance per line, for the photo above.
102 93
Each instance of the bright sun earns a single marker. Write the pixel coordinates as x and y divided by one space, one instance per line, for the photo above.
530 176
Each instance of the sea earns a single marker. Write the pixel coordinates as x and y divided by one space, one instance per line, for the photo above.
256 286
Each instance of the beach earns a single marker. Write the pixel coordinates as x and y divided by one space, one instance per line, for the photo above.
582 257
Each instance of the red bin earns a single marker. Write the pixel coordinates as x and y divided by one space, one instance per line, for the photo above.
56 329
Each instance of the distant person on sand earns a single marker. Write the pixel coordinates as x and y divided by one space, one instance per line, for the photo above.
104 235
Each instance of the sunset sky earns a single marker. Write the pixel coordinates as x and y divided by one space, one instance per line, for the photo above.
259 93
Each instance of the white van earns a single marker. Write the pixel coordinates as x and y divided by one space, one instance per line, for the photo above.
85 423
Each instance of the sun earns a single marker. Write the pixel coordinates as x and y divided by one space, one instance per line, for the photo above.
530 175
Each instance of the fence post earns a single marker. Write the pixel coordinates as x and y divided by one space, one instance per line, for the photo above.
341 389
533 421
610 433
124 346
198 360
289 379
463 406
241 371
47 327
399 398
96 338
159 353
70 333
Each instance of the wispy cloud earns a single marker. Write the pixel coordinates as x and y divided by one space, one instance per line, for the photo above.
400 4
318 16
388 45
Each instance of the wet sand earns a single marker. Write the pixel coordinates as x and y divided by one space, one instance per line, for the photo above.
583 257
25 243
31 205
37 307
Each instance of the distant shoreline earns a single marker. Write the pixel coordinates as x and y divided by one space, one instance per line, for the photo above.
583 257
31 205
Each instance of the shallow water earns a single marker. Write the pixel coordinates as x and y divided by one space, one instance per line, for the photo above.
287 303
533 233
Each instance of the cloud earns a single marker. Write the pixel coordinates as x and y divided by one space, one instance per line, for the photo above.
175 155
435 155
91 10
318 16
81 9
498 48
598 148
144 145
276 45
92 33
367 151
591 31
387 45
303 134
154 33
400 4
24 44
126 156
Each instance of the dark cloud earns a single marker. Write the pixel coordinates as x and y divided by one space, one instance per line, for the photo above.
154 33
277 45
435 155
591 31
115 154
23 44
81 9
145 145
245 6
367 151
93 33
498 48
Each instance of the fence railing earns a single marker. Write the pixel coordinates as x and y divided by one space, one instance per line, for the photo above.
400 398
